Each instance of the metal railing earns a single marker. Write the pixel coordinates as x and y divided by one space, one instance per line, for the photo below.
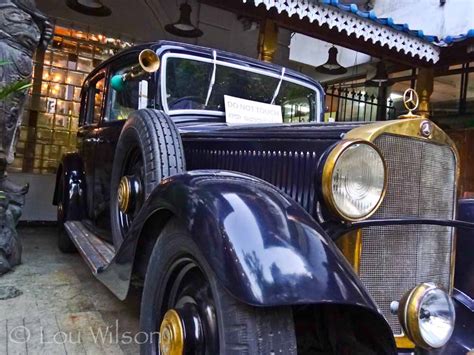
345 104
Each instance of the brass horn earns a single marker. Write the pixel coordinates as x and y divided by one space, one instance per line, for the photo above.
148 62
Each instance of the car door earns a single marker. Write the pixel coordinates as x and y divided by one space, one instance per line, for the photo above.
135 95
91 112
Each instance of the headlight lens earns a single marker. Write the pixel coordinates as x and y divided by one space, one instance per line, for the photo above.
354 180
428 316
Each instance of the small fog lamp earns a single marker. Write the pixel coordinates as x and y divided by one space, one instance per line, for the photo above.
427 316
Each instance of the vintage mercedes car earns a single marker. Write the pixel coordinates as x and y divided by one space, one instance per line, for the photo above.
256 227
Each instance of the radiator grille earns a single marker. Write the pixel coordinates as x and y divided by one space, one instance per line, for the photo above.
291 171
421 183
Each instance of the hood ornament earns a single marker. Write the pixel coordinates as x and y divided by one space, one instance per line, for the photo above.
411 102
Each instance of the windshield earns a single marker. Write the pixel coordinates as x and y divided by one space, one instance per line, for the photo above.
190 85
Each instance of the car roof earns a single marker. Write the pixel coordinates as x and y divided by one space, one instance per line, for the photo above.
165 46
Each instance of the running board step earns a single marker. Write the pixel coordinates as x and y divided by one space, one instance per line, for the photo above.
97 253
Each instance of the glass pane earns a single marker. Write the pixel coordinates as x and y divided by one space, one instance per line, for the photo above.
75 78
98 97
84 64
58 90
297 102
446 94
396 95
60 60
470 93
69 46
45 120
47 57
188 83
77 94
125 101
64 107
57 75
86 50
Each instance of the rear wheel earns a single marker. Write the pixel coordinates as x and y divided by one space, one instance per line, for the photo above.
183 301
149 149
65 243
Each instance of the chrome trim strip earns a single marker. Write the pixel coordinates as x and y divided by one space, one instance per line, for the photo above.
461 297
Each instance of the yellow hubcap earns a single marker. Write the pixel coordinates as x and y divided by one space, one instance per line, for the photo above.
171 334
124 192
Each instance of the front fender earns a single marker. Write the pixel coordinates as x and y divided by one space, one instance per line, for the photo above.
264 248
464 269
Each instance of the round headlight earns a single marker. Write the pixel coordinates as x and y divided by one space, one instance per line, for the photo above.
427 316
354 180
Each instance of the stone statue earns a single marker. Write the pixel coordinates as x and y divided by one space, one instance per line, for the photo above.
23 28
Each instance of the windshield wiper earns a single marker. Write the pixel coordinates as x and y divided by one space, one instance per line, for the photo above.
213 80
277 89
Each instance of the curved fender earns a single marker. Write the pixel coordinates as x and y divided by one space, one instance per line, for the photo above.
264 248
464 269
74 185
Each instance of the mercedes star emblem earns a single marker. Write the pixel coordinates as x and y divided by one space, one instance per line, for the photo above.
410 100
426 129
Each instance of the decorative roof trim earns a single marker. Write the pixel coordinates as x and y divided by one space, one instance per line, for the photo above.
356 22
459 38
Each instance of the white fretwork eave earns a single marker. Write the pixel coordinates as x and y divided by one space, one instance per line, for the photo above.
369 30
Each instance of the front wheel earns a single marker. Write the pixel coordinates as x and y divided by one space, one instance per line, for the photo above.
183 301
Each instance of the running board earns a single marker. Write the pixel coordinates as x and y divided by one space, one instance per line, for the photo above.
97 253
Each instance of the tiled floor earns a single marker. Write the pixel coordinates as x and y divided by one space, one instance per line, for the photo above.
63 309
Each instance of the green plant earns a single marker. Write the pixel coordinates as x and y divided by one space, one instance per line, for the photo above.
9 89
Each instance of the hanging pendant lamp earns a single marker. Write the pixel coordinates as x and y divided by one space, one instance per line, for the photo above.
331 67
89 7
184 26
381 76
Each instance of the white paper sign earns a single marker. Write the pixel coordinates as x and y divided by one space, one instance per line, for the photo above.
241 111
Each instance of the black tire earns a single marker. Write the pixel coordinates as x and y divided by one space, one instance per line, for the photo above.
149 147
65 243
240 328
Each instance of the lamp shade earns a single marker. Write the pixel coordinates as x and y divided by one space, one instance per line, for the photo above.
331 67
184 27
381 75
89 7
380 78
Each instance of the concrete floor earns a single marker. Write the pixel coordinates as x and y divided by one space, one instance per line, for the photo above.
62 308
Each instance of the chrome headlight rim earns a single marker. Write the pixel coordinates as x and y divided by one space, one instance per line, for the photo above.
409 309
327 178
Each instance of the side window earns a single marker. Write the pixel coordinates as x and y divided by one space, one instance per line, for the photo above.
135 94
95 98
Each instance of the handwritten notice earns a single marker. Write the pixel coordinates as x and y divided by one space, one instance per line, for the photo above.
241 111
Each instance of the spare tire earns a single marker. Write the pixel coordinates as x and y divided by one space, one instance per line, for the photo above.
149 149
